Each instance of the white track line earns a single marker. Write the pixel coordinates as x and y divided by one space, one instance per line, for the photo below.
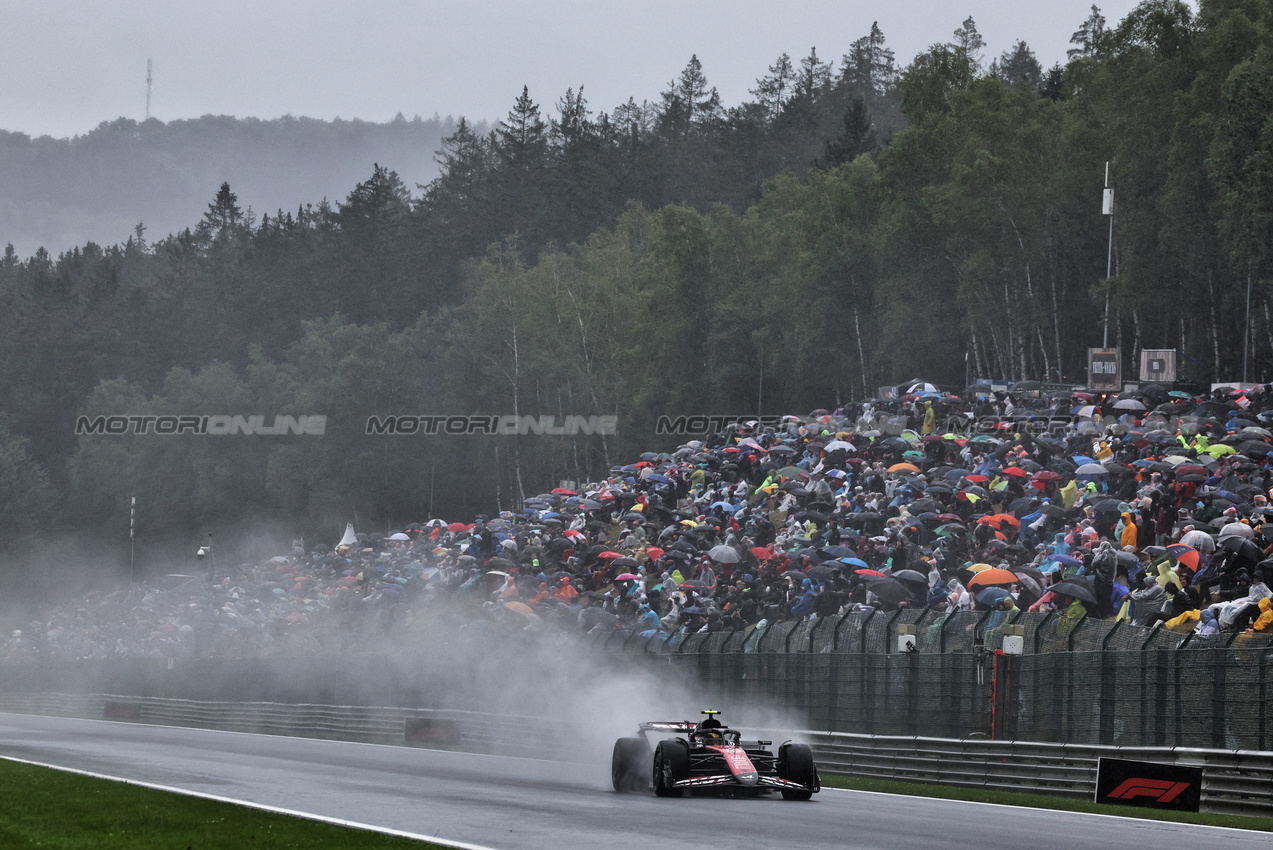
459 845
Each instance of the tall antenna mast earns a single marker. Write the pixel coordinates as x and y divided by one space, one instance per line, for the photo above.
148 79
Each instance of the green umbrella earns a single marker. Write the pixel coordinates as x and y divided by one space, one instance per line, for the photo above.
791 472
913 455
1179 394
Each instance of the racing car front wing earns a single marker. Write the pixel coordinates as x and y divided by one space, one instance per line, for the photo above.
730 779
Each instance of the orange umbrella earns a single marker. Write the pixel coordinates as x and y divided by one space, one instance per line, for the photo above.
993 578
998 520
903 467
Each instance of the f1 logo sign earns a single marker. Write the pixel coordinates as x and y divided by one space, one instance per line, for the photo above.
1160 790
1139 783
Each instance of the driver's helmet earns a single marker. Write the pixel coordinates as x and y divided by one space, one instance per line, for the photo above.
709 729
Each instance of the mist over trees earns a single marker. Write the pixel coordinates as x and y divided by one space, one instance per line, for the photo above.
853 225
63 192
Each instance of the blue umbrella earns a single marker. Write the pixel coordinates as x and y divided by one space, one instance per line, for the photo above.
991 595
855 562
655 477
1066 559
1082 459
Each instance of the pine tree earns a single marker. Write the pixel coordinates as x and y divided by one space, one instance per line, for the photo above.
773 91
1087 38
969 41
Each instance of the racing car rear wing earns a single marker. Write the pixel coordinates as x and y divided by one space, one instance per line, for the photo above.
684 726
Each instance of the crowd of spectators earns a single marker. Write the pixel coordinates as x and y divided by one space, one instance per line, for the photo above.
1149 507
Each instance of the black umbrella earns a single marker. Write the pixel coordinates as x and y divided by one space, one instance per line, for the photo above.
889 590
1077 589
911 577
820 573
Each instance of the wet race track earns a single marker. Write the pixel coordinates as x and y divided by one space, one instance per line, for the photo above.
528 804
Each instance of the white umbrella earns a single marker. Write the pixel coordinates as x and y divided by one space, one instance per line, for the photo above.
837 445
349 539
1199 540
921 388
399 536
724 554
1129 404
1091 469
1236 529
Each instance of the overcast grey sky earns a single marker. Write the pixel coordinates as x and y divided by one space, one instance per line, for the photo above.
70 64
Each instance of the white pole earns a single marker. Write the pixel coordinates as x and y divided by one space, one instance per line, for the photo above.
132 542
1109 256
1246 333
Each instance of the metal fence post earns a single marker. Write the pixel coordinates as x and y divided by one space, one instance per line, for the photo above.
865 623
941 631
835 636
1219 703
1263 691
1069 641
1108 703
1038 630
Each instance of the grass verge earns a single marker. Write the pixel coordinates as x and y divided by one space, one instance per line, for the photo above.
1040 801
45 808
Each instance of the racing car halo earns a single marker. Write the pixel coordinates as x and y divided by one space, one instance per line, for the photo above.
709 755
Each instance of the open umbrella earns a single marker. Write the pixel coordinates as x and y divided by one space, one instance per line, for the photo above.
911 577
991 577
1080 590
991 596
724 554
889 590
1186 555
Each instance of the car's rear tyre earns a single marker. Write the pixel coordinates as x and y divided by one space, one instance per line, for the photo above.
671 764
795 764
628 765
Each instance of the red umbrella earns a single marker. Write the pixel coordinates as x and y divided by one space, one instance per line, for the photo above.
654 552
609 556
1186 555
1046 475
562 491
457 526
976 479
867 573
1016 472
763 552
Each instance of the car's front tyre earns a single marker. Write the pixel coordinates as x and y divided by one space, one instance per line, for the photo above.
671 764
628 765
795 764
